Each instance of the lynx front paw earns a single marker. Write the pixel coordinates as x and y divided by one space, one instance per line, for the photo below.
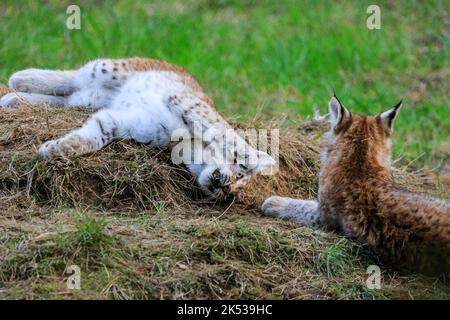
304 212
50 149
64 148
274 206
9 100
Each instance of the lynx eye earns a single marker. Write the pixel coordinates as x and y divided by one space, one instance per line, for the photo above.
239 176
243 167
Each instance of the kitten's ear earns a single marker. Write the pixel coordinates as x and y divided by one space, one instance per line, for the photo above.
338 113
387 117
266 164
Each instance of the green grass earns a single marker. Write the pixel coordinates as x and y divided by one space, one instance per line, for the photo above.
254 57
172 256
264 56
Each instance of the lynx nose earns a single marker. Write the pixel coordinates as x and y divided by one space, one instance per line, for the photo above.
235 188
215 179
226 188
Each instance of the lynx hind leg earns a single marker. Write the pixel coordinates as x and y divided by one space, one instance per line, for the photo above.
96 132
14 98
305 212
48 82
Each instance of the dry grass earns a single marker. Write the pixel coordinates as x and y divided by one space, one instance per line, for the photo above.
124 175
136 233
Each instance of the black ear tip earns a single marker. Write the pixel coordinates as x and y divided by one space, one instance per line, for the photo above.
335 96
398 105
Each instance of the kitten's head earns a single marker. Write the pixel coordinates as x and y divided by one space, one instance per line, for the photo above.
218 182
248 165
358 139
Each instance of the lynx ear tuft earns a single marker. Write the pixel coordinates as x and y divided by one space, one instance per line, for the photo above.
388 117
338 113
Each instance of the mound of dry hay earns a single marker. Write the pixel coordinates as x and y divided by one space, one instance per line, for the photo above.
240 255
124 176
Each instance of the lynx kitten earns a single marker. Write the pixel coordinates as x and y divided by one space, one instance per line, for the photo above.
144 100
358 197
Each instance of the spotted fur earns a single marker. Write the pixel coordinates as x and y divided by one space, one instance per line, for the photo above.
145 100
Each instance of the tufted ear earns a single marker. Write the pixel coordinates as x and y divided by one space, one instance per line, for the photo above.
388 117
338 113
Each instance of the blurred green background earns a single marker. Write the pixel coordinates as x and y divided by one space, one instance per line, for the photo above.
265 57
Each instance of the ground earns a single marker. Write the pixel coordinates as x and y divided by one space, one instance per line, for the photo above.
133 233
131 222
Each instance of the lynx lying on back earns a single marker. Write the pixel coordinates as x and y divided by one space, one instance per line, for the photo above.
358 197
141 99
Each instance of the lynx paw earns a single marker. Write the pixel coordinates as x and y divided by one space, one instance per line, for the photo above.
51 149
64 148
9 100
22 80
274 206
304 212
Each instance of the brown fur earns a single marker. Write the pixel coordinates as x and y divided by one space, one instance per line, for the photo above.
358 196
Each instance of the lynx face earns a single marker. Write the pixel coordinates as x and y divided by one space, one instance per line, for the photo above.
218 182
145 100
365 138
